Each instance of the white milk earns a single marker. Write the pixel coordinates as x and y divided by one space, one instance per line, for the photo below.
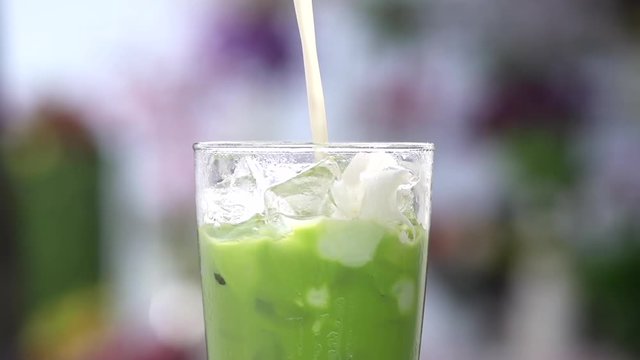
317 113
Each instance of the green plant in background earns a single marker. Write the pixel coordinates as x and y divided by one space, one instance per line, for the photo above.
543 162
9 284
54 168
611 288
535 115
69 328
629 13
396 20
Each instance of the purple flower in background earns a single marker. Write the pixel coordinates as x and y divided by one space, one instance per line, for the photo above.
525 101
401 98
397 106
257 37
536 116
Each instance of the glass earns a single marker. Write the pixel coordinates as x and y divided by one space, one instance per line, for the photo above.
313 251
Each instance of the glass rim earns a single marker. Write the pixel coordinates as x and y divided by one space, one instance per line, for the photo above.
237 146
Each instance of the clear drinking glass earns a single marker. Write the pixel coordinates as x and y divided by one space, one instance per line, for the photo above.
313 251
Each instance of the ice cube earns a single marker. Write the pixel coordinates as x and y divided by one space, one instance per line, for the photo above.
305 195
349 191
375 187
352 243
384 196
405 293
237 198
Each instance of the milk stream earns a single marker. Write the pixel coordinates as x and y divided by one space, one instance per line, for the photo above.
315 95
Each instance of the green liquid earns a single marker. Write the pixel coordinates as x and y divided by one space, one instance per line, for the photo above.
332 290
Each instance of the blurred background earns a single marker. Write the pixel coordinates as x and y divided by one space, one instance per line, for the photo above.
534 107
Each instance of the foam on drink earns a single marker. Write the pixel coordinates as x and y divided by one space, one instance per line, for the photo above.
315 95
